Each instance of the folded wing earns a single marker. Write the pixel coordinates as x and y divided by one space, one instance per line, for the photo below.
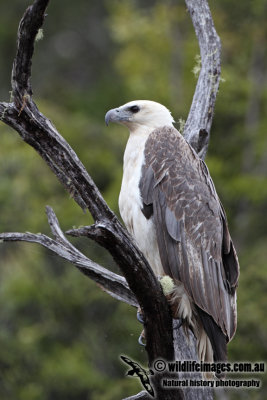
192 233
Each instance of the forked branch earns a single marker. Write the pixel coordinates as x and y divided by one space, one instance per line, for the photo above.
113 284
35 129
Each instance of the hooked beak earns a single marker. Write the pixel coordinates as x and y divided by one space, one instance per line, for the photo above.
111 116
116 115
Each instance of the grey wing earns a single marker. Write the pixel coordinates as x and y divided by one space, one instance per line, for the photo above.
192 234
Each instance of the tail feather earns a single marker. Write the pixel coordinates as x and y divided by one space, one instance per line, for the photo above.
217 338
205 351
211 342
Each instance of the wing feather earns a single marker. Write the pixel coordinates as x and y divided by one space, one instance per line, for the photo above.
173 225
192 233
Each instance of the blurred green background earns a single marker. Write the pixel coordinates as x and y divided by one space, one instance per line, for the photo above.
60 336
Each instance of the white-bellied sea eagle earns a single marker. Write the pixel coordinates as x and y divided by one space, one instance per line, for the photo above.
170 206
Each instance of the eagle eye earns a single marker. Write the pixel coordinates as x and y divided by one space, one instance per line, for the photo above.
134 109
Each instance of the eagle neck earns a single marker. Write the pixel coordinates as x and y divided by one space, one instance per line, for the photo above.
134 152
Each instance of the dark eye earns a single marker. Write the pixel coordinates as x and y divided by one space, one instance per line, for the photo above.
134 109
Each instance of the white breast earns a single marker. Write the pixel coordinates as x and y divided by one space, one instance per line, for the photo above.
130 203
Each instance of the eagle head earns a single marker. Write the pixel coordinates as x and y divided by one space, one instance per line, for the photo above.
140 113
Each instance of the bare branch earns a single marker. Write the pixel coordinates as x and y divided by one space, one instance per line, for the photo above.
30 24
113 284
187 350
141 280
198 124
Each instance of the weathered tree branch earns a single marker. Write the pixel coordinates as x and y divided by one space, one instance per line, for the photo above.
37 130
29 26
113 284
198 124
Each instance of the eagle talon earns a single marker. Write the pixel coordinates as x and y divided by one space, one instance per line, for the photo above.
140 339
178 323
139 316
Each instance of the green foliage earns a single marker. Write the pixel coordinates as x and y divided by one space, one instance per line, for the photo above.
60 336
143 35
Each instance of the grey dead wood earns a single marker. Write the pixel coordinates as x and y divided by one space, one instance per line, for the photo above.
113 284
198 124
23 115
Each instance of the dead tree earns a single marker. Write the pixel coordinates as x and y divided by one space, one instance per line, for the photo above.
139 286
